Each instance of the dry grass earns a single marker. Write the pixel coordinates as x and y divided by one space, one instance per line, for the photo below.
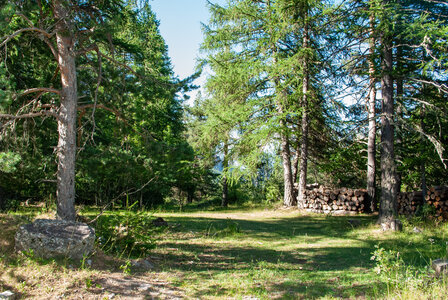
32 278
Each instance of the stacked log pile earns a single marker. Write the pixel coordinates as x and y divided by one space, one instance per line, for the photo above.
438 198
320 199
330 200
409 202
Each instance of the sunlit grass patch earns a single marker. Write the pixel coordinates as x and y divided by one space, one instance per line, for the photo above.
284 254
263 254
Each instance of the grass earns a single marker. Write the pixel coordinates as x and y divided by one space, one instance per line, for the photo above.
274 254
263 254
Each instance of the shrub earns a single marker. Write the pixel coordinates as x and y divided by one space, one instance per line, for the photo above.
403 279
127 233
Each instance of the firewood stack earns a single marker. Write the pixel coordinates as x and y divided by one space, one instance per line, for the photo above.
329 200
438 197
408 202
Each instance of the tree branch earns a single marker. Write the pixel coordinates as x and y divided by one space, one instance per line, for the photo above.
119 63
441 87
95 48
438 146
39 90
29 115
95 106
29 29
103 209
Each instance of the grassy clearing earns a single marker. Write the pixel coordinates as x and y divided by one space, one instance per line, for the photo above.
285 254
264 254
267 254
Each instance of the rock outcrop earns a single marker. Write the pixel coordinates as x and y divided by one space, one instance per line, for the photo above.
56 238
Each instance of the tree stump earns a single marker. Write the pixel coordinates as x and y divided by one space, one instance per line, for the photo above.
440 266
393 225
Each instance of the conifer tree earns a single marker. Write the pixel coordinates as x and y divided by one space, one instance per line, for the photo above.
109 79
274 54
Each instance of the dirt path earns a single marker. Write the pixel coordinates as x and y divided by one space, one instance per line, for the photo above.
117 286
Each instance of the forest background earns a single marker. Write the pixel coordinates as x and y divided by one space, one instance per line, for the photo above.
296 92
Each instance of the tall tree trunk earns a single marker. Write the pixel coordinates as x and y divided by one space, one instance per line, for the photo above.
225 187
371 143
371 150
288 193
225 192
305 122
423 164
288 196
388 205
66 151
295 164
399 113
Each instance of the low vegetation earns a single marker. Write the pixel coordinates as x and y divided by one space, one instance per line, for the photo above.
258 253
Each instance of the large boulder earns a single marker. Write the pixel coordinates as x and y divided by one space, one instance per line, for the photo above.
56 239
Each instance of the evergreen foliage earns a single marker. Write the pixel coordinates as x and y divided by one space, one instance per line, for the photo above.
129 121
285 101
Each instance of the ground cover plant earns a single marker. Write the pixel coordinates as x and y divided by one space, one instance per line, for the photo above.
235 254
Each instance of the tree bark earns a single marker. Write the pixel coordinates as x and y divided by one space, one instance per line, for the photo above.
288 196
388 205
371 143
225 193
66 150
399 138
225 187
288 192
295 164
305 122
371 150
423 164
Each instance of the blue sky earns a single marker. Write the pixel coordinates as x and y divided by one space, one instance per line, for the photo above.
180 26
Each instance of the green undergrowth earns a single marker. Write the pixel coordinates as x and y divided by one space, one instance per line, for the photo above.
126 234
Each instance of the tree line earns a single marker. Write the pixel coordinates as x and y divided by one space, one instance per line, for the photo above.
91 83
296 91
311 81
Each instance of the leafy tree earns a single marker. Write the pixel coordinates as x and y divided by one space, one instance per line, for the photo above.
399 60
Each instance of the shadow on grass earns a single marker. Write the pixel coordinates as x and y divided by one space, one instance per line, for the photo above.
209 205
273 229
318 289
324 256
320 249
252 252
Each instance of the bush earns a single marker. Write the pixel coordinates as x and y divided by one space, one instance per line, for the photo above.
127 233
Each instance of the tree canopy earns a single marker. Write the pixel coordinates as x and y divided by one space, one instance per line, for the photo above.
296 90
